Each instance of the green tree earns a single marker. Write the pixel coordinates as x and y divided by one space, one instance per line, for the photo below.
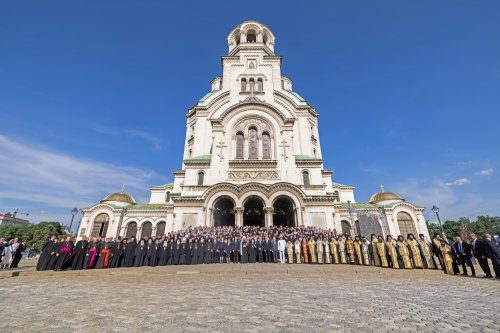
451 228
33 234
433 228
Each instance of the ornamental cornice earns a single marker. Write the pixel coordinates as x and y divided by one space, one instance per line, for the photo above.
253 163
103 206
195 162
316 163
268 190
222 96
253 102
320 198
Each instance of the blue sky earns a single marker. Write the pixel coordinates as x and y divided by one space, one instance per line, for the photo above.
93 95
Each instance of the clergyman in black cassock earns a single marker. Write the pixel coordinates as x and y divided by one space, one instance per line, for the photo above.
79 254
45 254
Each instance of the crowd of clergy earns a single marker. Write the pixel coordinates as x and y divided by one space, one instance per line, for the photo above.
292 245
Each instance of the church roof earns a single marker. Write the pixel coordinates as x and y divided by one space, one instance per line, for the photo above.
334 184
207 95
384 196
168 185
359 205
306 158
150 206
120 197
298 96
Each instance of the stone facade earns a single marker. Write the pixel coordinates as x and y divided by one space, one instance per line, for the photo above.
252 157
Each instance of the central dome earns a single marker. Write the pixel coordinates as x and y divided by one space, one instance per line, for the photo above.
120 197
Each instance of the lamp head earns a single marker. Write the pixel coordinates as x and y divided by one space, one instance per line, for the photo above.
435 209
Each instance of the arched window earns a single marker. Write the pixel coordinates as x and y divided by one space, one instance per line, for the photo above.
314 152
147 230
190 154
305 178
131 230
251 84
346 227
406 225
243 84
160 229
336 196
100 226
167 198
240 139
260 85
266 146
201 176
251 36
253 144
358 228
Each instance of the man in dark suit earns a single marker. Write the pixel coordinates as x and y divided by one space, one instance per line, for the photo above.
479 252
493 253
464 255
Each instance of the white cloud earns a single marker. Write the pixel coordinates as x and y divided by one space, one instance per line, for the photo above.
459 182
486 172
452 204
39 176
130 132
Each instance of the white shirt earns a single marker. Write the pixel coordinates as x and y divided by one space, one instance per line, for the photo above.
281 245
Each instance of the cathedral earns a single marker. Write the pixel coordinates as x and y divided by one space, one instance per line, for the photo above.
252 156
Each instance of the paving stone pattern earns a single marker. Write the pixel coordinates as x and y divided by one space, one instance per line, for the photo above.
249 298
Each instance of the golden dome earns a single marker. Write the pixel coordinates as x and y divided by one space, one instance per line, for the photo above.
384 196
120 197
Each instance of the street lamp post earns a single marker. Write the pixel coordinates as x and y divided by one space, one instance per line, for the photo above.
74 211
436 211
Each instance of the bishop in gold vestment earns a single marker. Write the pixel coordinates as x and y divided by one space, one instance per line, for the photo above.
381 252
297 251
357 251
404 253
349 246
342 250
333 250
415 251
428 260
312 251
319 250
393 253
289 250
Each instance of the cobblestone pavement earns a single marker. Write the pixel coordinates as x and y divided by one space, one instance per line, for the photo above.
249 298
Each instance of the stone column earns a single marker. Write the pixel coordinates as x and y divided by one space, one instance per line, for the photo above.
269 216
210 217
238 221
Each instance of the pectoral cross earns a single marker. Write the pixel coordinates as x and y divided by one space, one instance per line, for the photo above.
221 145
284 144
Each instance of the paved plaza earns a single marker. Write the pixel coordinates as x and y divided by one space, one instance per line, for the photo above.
249 298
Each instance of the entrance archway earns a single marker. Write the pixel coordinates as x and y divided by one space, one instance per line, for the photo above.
224 212
284 212
253 212
100 227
